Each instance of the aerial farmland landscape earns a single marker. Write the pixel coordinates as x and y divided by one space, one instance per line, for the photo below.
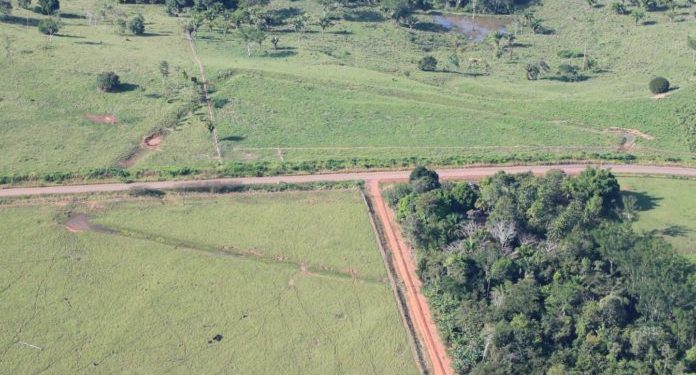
348 186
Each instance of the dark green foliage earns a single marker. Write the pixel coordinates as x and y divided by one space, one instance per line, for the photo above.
569 73
24 3
136 25
568 54
423 179
659 85
48 26
5 8
107 81
428 64
619 8
47 6
539 275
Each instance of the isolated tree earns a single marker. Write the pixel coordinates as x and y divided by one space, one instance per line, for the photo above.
591 3
49 27
299 23
274 41
534 70
324 22
637 14
5 9
659 85
164 69
511 37
397 10
107 81
427 64
136 25
252 35
121 25
619 8
48 6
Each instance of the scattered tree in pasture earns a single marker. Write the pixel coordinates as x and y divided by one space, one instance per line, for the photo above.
299 23
136 25
510 37
619 8
591 3
410 21
5 9
252 35
427 63
637 14
274 41
48 6
164 69
324 22
121 25
24 4
659 85
49 26
108 81
536 69
397 10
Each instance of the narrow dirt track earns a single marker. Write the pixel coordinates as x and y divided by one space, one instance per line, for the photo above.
383 176
405 266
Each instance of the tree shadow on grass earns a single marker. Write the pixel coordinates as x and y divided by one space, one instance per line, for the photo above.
91 43
644 201
233 138
675 231
126 87
364 16
430 27
280 54
22 21
285 13
71 16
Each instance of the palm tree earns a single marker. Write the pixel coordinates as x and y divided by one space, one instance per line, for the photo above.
511 37
638 14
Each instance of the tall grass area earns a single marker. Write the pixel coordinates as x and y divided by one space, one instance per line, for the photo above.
667 206
125 302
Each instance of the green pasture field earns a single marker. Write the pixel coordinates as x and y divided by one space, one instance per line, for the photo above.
48 87
351 92
667 206
293 282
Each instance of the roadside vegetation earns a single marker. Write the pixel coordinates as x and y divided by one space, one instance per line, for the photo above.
546 275
301 287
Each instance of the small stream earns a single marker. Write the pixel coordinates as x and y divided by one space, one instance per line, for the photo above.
475 30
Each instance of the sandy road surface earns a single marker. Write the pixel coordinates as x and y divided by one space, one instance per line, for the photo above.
417 305
383 176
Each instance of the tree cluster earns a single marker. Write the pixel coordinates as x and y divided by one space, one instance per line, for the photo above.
544 275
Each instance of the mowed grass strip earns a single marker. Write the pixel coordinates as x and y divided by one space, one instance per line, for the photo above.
667 206
102 302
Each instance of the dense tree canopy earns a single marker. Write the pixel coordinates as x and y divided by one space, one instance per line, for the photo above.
542 275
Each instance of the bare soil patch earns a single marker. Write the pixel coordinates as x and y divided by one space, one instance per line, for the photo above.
634 132
102 119
153 141
78 223
662 96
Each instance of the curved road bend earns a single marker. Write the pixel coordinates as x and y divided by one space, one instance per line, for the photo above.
403 261
382 176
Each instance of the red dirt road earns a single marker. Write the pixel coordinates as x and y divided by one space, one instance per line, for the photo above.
383 176
405 266
403 261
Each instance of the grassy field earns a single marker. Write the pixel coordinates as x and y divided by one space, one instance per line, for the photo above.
667 206
339 94
291 281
